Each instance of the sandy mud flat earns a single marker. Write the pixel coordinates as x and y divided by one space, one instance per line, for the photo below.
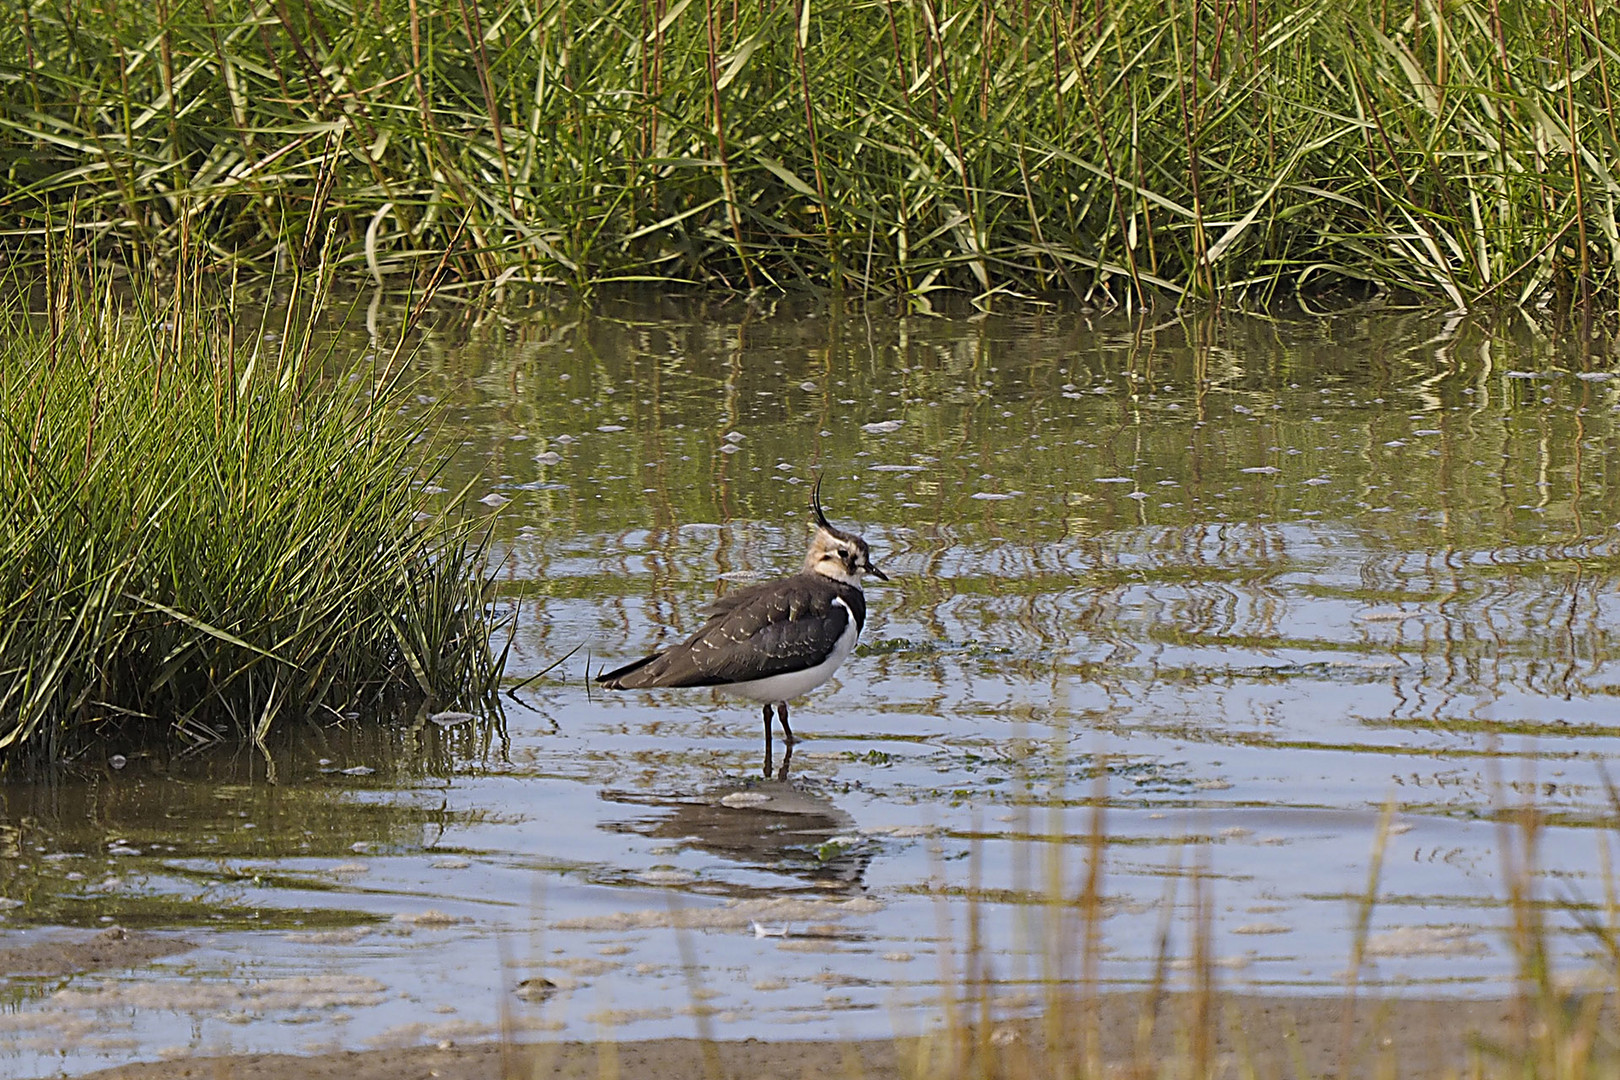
1273 1036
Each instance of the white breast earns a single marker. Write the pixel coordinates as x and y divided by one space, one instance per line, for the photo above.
792 684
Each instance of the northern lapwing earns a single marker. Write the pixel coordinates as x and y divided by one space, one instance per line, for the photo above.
774 641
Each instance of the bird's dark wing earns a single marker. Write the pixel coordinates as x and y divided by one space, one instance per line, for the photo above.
763 630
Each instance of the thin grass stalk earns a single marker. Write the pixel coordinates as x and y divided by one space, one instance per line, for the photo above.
1056 947
1594 33
1090 902
976 978
1201 1022
1093 107
1572 121
1610 935
733 214
1203 272
33 62
970 202
950 1002
1363 928
166 54
801 41
473 28
1155 992
1436 88
987 35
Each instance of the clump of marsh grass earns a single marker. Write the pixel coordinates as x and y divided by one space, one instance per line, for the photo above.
202 536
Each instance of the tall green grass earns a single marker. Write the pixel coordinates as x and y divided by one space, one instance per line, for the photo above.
205 532
1461 150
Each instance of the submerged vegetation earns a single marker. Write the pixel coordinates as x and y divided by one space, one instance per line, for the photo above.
1460 150
210 534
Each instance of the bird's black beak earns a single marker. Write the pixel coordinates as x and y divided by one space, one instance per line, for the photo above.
875 572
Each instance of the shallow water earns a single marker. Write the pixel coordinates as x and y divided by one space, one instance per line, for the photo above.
1238 584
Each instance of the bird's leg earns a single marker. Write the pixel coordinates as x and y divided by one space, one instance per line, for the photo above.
768 741
781 714
787 756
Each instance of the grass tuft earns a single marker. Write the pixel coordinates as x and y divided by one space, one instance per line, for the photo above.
206 534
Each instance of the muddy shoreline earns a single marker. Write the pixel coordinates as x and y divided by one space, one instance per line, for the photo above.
1272 1036
113 947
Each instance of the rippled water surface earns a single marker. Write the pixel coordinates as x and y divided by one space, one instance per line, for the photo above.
1237 584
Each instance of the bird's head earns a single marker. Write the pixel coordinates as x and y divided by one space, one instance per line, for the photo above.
837 554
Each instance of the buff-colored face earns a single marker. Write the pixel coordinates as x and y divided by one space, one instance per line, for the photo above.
841 556
836 553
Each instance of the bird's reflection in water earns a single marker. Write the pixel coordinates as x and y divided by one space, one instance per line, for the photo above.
787 760
772 825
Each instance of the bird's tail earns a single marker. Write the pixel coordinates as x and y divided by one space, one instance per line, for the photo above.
630 676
